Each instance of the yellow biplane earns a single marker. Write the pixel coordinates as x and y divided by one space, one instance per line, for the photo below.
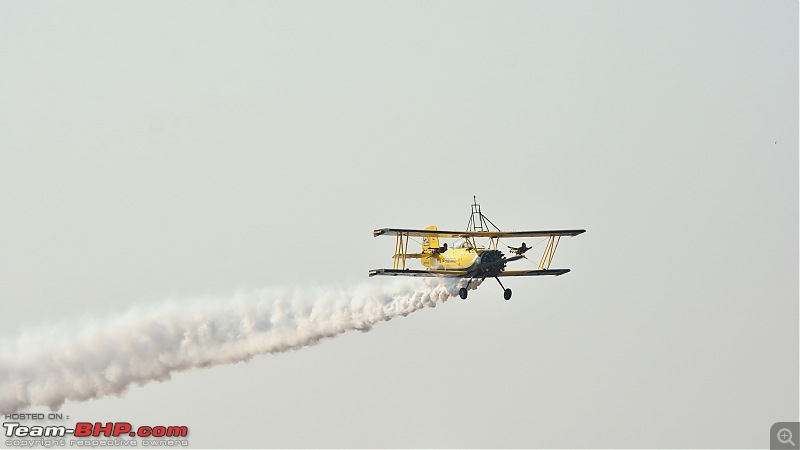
465 258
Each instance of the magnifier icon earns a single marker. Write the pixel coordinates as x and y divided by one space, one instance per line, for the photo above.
785 436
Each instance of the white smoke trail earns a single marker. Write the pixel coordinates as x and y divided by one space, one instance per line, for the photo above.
84 361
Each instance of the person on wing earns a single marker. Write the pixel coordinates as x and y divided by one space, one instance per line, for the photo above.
441 249
519 250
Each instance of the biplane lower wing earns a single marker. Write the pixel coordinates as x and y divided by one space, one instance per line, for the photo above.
419 273
477 234
532 273
463 273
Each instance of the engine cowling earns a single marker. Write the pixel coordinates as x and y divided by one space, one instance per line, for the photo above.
492 263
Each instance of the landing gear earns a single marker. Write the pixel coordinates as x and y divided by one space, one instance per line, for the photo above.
506 292
463 291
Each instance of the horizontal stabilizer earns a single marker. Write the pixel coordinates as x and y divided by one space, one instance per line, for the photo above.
413 255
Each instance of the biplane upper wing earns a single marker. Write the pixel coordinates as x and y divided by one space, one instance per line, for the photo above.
419 273
479 234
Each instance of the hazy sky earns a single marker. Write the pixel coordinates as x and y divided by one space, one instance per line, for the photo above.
176 150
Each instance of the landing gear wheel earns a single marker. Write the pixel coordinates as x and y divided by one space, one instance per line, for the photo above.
462 293
507 294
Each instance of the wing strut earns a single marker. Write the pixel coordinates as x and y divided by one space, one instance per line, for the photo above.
400 251
549 252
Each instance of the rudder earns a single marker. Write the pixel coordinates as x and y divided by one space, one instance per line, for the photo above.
429 242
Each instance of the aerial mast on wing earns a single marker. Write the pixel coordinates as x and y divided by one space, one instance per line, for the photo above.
477 221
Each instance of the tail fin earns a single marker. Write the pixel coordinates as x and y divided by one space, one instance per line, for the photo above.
429 242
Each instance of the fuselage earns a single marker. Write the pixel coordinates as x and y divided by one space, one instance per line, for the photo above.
453 259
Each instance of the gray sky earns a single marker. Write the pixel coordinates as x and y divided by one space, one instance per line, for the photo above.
153 151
